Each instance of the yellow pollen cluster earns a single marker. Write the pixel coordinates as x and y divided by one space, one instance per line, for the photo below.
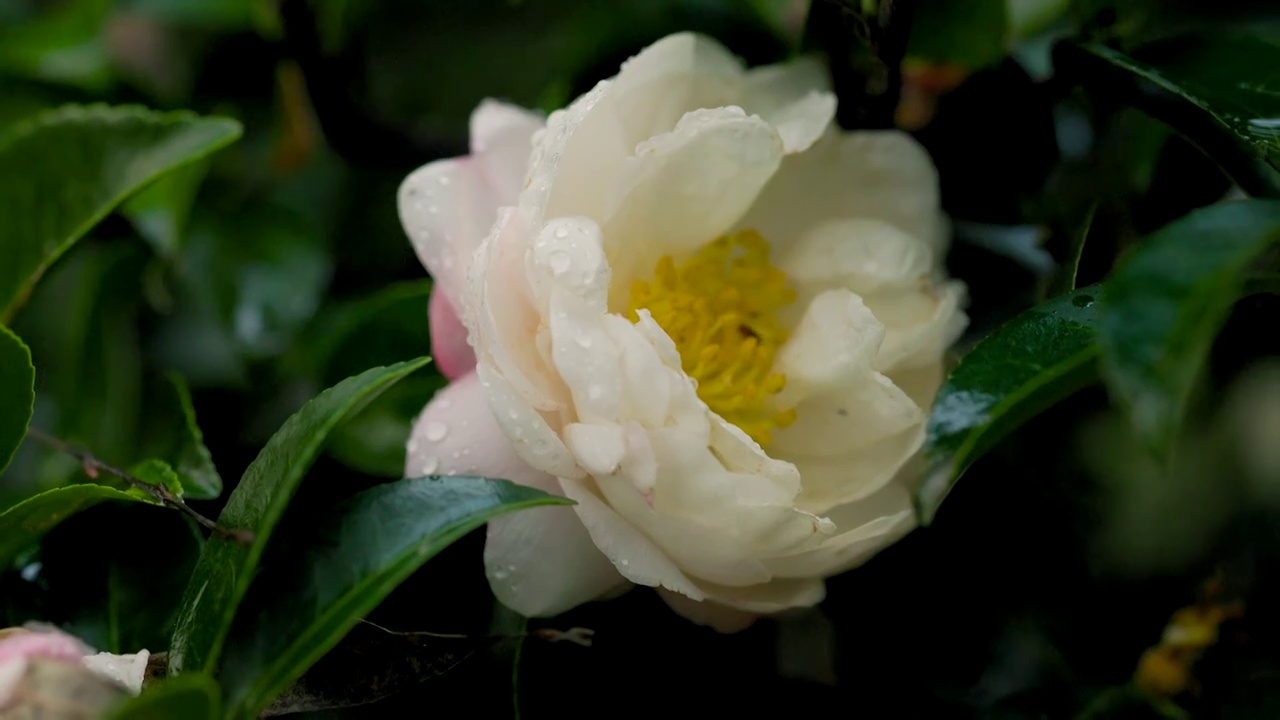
720 307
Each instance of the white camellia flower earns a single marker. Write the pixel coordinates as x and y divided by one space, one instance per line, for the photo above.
700 310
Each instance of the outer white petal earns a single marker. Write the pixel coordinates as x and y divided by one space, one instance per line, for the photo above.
540 561
771 597
866 527
705 612
501 139
448 206
673 76
634 555
833 481
920 324
794 97
879 175
447 209
684 188
127 670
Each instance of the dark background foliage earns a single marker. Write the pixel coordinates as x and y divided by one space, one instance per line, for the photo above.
1051 569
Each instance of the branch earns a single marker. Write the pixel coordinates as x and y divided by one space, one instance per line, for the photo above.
162 495
373 663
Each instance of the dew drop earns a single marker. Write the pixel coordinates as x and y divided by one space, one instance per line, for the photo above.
433 209
594 392
559 262
562 232
513 413
625 562
584 341
444 180
435 431
444 403
430 465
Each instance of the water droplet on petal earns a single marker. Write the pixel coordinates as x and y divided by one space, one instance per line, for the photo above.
559 262
625 562
594 392
513 413
430 465
444 180
562 232
435 431
583 340
443 403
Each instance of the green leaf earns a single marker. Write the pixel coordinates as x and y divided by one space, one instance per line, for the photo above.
156 472
160 210
351 560
225 568
65 170
17 393
1164 306
1030 363
82 324
970 33
27 521
193 696
1064 280
1228 75
191 459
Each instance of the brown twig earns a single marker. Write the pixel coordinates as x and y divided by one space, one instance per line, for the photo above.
576 635
92 466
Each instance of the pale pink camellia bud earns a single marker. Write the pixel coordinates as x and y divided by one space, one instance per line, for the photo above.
22 649
701 311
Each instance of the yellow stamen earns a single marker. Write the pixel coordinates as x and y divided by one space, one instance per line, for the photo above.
720 308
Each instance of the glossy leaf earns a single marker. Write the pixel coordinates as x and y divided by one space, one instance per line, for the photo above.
190 458
225 568
1064 280
1229 75
1028 364
359 554
17 393
194 696
1165 304
63 171
25 522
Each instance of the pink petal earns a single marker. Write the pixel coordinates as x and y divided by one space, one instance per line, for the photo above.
53 644
449 348
540 562
448 206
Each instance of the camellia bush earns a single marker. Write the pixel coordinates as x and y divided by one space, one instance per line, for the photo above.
911 358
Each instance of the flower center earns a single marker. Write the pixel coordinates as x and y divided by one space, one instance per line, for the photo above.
720 307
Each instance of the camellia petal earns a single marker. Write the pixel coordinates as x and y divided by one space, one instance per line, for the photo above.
878 175
457 435
450 350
